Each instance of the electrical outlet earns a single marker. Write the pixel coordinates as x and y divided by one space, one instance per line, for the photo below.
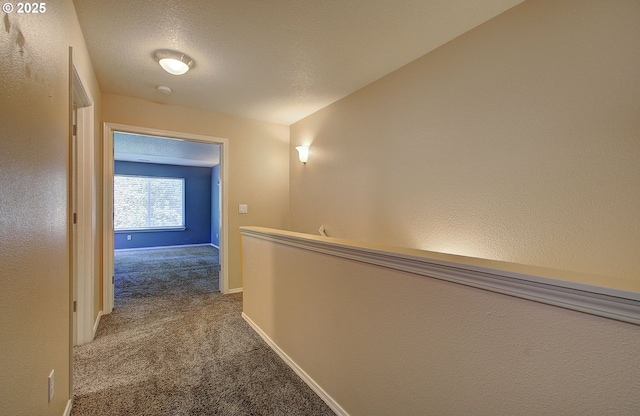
128 237
242 209
51 390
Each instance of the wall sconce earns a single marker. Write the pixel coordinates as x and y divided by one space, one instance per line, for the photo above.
303 153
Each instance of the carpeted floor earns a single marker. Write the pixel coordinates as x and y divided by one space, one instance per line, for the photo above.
174 345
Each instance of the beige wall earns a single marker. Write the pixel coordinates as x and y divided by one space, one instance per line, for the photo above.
384 342
258 161
34 159
517 141
90 84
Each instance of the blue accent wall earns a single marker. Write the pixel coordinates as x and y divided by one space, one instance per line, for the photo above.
197 206
215 205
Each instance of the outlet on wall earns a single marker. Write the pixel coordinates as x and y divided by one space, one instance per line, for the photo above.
51 386
128 237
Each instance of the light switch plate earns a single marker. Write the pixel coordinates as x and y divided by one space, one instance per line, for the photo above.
242 209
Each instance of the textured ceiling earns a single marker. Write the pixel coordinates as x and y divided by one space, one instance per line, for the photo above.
277 60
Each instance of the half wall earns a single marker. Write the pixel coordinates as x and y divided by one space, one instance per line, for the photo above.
373 339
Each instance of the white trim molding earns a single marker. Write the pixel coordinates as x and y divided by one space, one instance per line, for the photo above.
97 323
67 409
84 207
606 297
164 247
337 409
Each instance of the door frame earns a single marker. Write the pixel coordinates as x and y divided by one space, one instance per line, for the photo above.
108 247
84 228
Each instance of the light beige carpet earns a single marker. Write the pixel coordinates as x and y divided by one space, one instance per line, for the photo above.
174 345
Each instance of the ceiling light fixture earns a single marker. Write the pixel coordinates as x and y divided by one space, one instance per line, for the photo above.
175 63
164 89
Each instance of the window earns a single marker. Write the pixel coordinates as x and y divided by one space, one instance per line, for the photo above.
143 202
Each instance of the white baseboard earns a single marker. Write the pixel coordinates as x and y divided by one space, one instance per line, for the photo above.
236 290
337 409
95 325
161 247
67 410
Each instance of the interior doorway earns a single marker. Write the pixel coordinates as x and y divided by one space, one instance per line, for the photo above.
144 149
83 205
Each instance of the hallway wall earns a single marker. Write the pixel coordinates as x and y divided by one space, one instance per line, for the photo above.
34 188
517 141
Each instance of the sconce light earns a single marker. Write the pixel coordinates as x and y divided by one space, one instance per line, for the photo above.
303 153
175 63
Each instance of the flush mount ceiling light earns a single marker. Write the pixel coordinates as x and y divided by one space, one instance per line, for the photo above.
175 63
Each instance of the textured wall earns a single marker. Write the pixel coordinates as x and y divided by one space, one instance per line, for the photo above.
258 160
34 160
517 141
385 342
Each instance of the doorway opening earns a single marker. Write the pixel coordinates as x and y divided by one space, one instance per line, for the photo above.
170 190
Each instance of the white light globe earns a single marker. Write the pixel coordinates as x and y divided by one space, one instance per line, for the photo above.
303 153
175 63
174 66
